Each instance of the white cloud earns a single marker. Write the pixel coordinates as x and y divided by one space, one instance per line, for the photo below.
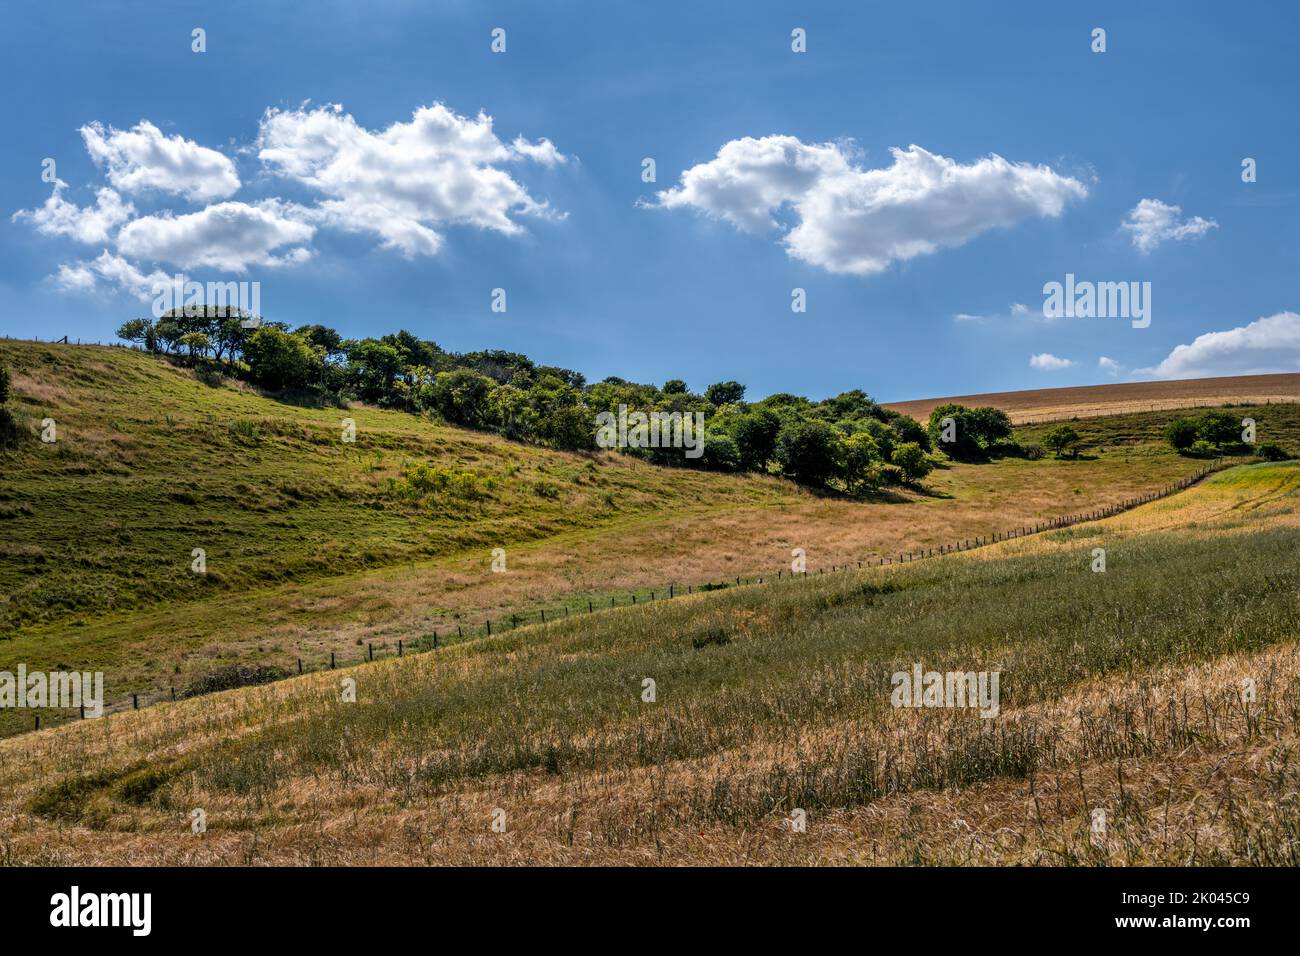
858 221
89 224
112 270
142 158
1152 222
543 151
1047 362
1108 365
230 236
1269 344
1019 308
404 182
968 317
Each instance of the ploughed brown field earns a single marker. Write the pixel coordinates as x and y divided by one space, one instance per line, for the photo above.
1086 401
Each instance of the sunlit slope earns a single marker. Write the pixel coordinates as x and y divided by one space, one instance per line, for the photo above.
150 463
1120 690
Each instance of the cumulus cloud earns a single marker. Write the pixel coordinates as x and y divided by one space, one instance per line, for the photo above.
1270 344
114 271
1047 362
89 224
142 158
1152 222
404 182
230 236
857 221
1108 365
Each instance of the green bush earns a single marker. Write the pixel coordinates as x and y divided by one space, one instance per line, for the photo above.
1181 433
1270 451
912 460
11 429
1062 439
808 452
4 384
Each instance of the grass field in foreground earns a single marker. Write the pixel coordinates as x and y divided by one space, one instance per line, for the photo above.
308 556
1120 691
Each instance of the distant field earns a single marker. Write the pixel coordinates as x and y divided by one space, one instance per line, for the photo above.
1121 693
1090 400
308 554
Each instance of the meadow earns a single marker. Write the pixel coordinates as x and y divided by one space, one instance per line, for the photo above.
312 549
1123 691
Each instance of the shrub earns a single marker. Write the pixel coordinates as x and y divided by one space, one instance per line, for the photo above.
1181 433
1270 451
1032 452
234 675
11 429
808 451
1202 449
1061 439
4 384
1218 428
912 460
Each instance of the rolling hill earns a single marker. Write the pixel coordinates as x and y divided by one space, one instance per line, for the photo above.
313 551
1160 696
1086 401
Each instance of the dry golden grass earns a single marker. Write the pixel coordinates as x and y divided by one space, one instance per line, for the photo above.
1186 770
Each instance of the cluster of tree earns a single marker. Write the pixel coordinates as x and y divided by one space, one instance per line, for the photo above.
1215 432
970 433
848 441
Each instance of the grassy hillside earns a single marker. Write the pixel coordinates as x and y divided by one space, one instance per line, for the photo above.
311 550
1120 691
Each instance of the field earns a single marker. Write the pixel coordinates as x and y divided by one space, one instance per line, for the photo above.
309 554
1161 697
1085 401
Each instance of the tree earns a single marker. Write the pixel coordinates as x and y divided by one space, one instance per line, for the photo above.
755 436
461 397
1061 439
991 425
4 384
859 460
197 343
912 460
279 360
725 393
140 331
958 438
1218 428
674 386
808 451
1180 433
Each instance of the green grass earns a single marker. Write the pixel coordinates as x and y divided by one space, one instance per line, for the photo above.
553 713
152 463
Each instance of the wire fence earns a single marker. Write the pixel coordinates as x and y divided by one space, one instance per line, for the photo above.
455 634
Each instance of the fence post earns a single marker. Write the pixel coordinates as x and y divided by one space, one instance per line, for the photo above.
543 615
331 660
371 651
135 701
488 624
38 721
399 647
300 665
589 608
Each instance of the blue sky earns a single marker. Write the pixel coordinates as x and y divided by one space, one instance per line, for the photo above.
603 276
